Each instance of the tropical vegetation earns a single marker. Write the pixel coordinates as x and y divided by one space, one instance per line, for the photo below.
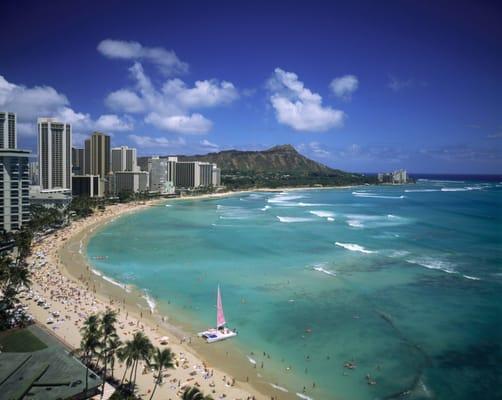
100 347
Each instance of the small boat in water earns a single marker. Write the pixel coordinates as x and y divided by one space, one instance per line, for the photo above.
221 332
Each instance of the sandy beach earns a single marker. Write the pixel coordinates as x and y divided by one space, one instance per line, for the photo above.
73 292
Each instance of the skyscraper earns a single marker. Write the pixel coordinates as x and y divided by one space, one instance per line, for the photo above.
14 177
77 158
8 137
99 154
54 154
124 159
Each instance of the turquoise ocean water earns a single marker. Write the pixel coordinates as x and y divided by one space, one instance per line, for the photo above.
404 281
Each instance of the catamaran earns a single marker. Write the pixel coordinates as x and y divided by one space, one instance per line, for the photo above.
221 332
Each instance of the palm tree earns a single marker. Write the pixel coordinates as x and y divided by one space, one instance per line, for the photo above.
193 393
108 332
135 350
161 359
90 342
113 346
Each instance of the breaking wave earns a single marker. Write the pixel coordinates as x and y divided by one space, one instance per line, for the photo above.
293 219
323 214
282 389
375 196
432 263
320 268
354 247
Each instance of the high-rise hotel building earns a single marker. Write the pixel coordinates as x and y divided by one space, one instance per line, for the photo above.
54 155
124 159
8 137
97 155
14 177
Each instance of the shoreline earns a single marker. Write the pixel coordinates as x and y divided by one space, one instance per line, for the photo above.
66 265
67 255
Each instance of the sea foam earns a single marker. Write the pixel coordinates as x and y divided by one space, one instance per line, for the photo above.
432 263
375 196
289 220
323 214
354 247
320 268
282 389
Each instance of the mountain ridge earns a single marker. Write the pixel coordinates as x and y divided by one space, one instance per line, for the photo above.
278 166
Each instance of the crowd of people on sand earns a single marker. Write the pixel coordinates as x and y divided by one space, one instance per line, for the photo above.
67 302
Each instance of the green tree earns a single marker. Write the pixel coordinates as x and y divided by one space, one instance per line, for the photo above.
161 359
135 350
90 342
193 393
108 334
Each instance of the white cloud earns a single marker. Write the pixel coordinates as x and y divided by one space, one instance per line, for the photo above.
208 93
189 124
149 142
170 107
30 103
111 122
298 107
125 100
344 86
166 60
45 101
207 144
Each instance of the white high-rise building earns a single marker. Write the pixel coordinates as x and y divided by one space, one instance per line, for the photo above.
124 159
14 177
54 154
8 136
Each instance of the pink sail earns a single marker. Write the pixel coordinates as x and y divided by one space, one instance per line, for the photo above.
220 317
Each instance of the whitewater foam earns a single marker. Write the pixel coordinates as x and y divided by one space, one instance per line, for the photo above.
420 190
265 208
320 268
432 263
282 389
474 278
354 247
95 272
289 220
151 303
251 360
304 397
323 214
375 196
114 282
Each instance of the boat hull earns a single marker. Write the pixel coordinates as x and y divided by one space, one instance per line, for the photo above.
215 335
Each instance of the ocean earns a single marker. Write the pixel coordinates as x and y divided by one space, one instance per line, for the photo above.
362 293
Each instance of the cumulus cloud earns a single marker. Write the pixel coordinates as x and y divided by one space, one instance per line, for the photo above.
149 142
125 100
344 86
166 60
189 124
45 101
208 93
298 107
170 107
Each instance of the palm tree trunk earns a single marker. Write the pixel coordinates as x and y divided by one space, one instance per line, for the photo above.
123 376
104 373
157 381
132 370
135 372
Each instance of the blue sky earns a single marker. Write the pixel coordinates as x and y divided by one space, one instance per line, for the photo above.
362 86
